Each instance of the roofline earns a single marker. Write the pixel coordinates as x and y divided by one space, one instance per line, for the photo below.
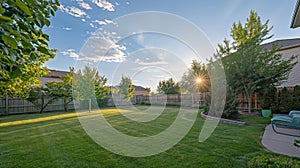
284 47
289 47
59 70
296 14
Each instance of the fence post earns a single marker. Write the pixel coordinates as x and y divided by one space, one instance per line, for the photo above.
6 105
90 105
192 98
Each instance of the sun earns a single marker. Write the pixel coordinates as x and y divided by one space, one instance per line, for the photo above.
198 80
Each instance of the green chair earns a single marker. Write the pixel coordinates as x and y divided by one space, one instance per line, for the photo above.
290 121
291 113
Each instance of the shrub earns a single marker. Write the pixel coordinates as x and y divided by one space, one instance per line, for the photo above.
296 99
145 103
285 101
267 96
275 106
230 110
273 162
103 102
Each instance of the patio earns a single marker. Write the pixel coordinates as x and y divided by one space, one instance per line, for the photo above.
281 144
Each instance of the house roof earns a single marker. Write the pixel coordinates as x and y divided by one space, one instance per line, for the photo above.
139 88
56 74
283 44
288 48
52 76
296 17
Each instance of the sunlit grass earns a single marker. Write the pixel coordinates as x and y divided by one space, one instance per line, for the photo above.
58 140
40 119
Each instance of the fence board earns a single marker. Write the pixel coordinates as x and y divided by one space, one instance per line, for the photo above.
20 106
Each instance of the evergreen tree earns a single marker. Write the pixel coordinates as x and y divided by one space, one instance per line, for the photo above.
125 88
168 87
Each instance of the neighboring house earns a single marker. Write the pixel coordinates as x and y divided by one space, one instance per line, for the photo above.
288 48
52 76
296 17
140 91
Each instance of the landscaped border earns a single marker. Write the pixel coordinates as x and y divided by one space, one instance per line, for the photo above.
223 119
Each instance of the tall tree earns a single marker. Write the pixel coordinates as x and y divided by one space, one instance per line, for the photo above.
101 91
23 45
62 89
37 95
125 88
41 97
196 78
248 66
168 87
88 85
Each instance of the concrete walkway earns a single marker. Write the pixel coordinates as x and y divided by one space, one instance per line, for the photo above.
281 143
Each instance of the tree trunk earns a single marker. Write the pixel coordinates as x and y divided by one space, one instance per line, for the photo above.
90 104
249 103
6 105
42 104
65 105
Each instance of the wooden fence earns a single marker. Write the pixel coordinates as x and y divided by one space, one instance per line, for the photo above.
184 99
190 99
19 106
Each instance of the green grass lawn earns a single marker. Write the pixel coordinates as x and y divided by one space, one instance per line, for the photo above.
58 140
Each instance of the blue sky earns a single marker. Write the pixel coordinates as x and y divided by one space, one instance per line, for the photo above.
77 20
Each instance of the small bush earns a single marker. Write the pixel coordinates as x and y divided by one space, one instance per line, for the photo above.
103 101
273 162
286 102
145 103
296 100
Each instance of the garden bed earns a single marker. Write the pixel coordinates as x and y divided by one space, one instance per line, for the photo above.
203 115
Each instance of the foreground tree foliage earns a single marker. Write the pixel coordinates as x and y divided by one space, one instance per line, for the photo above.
168 87
23 45
125 88
249 66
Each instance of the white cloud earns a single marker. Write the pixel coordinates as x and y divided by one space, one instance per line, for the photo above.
117 3
127 3
104 5
109 21
103 48
67 28
83 20
70 53
100 22
92 25
140 38
84 4
150 63
159 76
73 11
